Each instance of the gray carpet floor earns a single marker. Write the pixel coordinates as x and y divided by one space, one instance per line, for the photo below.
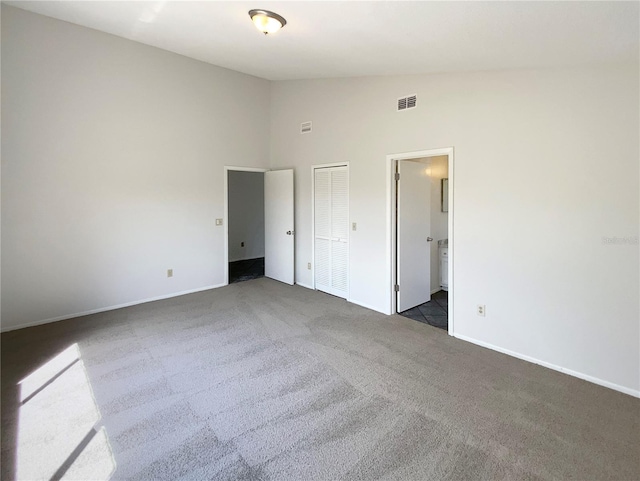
264 381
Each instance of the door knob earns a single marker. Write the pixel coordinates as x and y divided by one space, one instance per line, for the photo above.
290 232
429 239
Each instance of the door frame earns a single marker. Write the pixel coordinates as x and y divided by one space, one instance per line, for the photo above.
313 222
225 220
392 159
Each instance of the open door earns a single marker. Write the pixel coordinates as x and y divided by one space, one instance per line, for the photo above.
413 229
279 229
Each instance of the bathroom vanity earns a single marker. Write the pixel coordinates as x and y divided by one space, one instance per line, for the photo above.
443 263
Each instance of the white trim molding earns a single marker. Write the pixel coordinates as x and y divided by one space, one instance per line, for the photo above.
111 308
366 306
555 367
391 225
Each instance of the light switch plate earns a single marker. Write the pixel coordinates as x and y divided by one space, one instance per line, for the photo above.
218 221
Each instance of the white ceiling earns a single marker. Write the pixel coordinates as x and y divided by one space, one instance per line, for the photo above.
357 38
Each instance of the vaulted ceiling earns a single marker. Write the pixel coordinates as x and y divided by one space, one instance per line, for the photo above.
353 38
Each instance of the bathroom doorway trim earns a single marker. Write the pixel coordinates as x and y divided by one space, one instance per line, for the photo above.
392 160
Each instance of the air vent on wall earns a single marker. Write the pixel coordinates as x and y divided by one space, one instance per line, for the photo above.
305 127
408 102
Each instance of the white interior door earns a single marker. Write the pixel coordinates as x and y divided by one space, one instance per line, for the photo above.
331 230
414 226
278 226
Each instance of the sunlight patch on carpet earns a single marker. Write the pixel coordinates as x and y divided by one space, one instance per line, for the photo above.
58 436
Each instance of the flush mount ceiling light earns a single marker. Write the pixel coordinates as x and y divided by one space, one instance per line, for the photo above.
266 21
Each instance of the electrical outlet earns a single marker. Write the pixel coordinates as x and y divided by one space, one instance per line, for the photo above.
241 244
309 265
482 310
353 226
169 272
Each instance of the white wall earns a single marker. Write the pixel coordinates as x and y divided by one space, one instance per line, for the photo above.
438 170
112 167
246 215
532 202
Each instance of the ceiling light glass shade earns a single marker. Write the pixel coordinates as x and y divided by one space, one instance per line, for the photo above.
266 21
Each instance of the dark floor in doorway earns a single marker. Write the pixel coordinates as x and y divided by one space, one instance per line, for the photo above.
246 270
435 312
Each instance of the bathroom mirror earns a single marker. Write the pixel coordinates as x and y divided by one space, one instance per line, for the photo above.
444 197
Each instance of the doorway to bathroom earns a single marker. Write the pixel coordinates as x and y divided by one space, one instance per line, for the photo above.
421 224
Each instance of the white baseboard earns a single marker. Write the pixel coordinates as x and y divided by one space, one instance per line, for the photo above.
579 375
110 308
362 304
585 377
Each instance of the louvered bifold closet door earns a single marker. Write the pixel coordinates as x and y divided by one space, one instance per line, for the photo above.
339 231
322 230
331 227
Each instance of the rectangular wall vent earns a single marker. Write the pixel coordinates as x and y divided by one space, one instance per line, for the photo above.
305 127
408 102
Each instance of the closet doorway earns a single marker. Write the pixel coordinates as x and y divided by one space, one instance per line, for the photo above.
331 229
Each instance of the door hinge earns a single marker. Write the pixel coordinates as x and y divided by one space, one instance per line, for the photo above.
397 176
396 288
